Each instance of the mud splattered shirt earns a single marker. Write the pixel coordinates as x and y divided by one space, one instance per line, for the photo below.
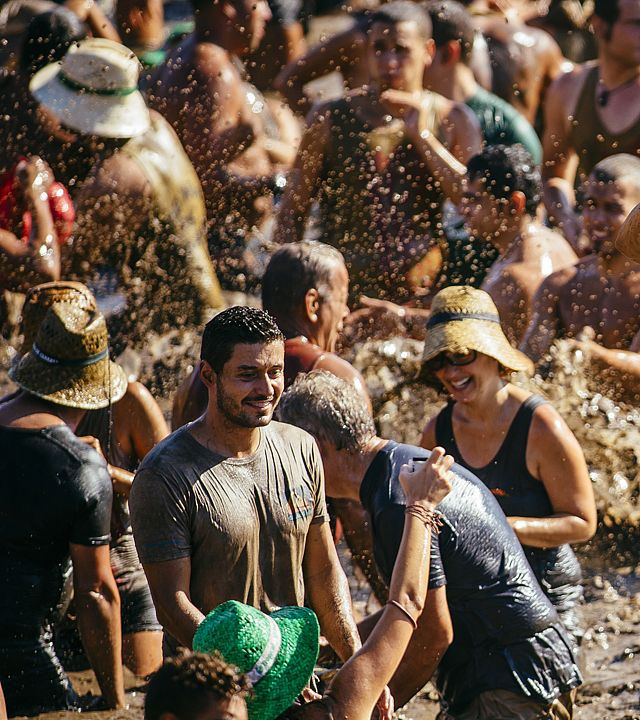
243 522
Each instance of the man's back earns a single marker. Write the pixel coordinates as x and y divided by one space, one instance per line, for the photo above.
54 490
506 633
516 276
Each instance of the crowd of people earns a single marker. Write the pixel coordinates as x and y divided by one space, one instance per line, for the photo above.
472 180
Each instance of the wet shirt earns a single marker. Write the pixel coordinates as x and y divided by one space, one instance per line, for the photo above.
520 494
502 124
506 632
243 522
54 490
379 204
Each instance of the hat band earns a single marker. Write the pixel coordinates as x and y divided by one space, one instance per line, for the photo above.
269 654
112 92
444 317
83 362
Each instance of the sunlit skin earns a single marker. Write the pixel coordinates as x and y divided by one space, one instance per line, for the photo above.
619 65
553 454
242 398
601 291
529 252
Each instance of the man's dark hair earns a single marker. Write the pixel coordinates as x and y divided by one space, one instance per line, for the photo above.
400 11
187 684
48 37
292 271
622 166
607 10
508 169
451 21
236 325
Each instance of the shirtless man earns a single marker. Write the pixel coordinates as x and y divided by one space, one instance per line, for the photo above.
601 291
525 60
592 112
503 193
140 213
221 124
377 161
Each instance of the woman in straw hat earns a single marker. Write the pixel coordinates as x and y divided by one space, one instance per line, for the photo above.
277 652
55 505
514 441
123 432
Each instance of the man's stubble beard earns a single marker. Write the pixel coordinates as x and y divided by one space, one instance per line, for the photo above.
237 417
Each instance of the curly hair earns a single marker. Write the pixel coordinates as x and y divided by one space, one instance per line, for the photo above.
236 325
187 684
508 169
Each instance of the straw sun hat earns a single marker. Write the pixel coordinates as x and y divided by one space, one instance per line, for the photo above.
276 652
41 297
465 319
68 363
628 239
94 90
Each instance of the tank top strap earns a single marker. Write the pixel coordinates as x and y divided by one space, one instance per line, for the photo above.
445 436
513 450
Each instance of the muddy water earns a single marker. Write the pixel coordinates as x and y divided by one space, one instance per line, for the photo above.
610 436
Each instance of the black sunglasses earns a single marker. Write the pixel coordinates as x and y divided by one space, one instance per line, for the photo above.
451 358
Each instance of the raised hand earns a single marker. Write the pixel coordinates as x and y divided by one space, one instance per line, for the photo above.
429 482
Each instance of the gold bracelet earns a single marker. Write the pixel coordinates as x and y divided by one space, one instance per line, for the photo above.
395 603
431 518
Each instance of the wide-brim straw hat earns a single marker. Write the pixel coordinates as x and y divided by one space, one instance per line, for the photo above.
276 652
94 90
463 319
628 239
41 297
68 363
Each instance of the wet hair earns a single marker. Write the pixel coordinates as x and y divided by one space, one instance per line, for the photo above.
607 10
48 37
236 325
508 169
293 270
451 21
187 684
619 167
400 11
328 408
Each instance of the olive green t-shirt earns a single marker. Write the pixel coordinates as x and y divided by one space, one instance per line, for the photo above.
243 522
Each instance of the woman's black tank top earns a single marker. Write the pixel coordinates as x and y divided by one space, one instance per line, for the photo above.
521 494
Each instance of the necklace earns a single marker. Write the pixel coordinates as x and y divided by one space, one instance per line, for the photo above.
605 94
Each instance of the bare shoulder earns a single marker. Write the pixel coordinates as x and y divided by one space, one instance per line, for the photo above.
137 400
118 173
566 88
545 241
452 112
547 427
339 367
213 61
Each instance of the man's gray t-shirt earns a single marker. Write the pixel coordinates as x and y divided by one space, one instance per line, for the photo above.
243 521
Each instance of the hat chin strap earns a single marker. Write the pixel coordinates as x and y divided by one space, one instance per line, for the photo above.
269 654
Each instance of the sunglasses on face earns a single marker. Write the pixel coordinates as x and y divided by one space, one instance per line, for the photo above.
451 358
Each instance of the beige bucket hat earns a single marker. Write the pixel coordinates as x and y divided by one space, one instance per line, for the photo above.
94 90
68 363
628 240
462 319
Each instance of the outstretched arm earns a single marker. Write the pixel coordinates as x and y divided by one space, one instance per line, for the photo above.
358 684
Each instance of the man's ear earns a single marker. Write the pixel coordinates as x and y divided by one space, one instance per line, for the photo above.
451 52
207 373
518 201
312 304
429 51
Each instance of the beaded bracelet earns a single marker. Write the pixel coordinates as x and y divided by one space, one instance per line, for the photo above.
400 607
431 518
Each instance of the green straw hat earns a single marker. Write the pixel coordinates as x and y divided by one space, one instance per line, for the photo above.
276 652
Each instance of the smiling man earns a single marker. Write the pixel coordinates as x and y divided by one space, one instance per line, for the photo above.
599 294
232 506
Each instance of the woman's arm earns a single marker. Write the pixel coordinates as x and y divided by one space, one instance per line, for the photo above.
555 458
428 439
359 683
